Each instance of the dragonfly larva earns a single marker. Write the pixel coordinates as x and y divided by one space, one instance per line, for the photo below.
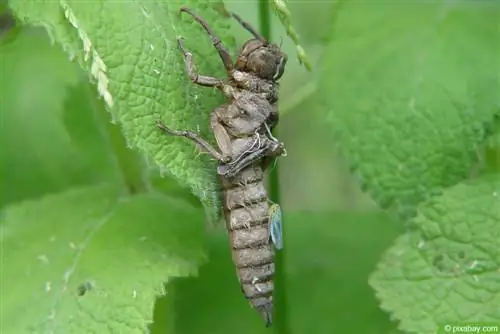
242 128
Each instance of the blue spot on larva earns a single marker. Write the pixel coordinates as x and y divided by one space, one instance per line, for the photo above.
275 226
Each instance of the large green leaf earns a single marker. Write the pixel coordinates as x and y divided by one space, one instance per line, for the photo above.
39 153
409 88
90 260
129 50
446 271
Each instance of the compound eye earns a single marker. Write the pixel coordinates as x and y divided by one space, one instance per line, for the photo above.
280 68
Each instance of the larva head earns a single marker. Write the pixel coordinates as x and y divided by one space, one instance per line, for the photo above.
263 59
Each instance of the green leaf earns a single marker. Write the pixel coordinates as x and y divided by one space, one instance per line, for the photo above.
90 260
491 152
447 269
101 143
493 139
39 154
129 49
322 13
410 87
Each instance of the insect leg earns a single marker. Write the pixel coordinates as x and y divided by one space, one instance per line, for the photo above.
197 139
223 53
248 27
220 133
201 80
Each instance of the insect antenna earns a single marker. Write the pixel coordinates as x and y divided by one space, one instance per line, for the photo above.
249 28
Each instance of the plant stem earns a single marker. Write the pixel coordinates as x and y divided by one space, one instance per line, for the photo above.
280 322
264 19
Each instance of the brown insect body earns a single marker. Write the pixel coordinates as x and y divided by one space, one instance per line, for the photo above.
246 210
242 129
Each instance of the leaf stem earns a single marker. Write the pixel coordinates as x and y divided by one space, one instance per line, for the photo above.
280 322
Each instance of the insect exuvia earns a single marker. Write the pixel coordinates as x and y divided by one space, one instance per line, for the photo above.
242 129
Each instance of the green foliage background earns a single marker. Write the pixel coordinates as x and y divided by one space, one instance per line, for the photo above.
390 190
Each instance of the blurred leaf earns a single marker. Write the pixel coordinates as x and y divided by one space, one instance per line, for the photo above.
90 260
321 13
410 87
132 55
493 139
328 257
38 155
101 142
491 152
446 271
313 176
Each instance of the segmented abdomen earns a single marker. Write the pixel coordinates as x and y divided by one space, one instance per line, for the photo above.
246 209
